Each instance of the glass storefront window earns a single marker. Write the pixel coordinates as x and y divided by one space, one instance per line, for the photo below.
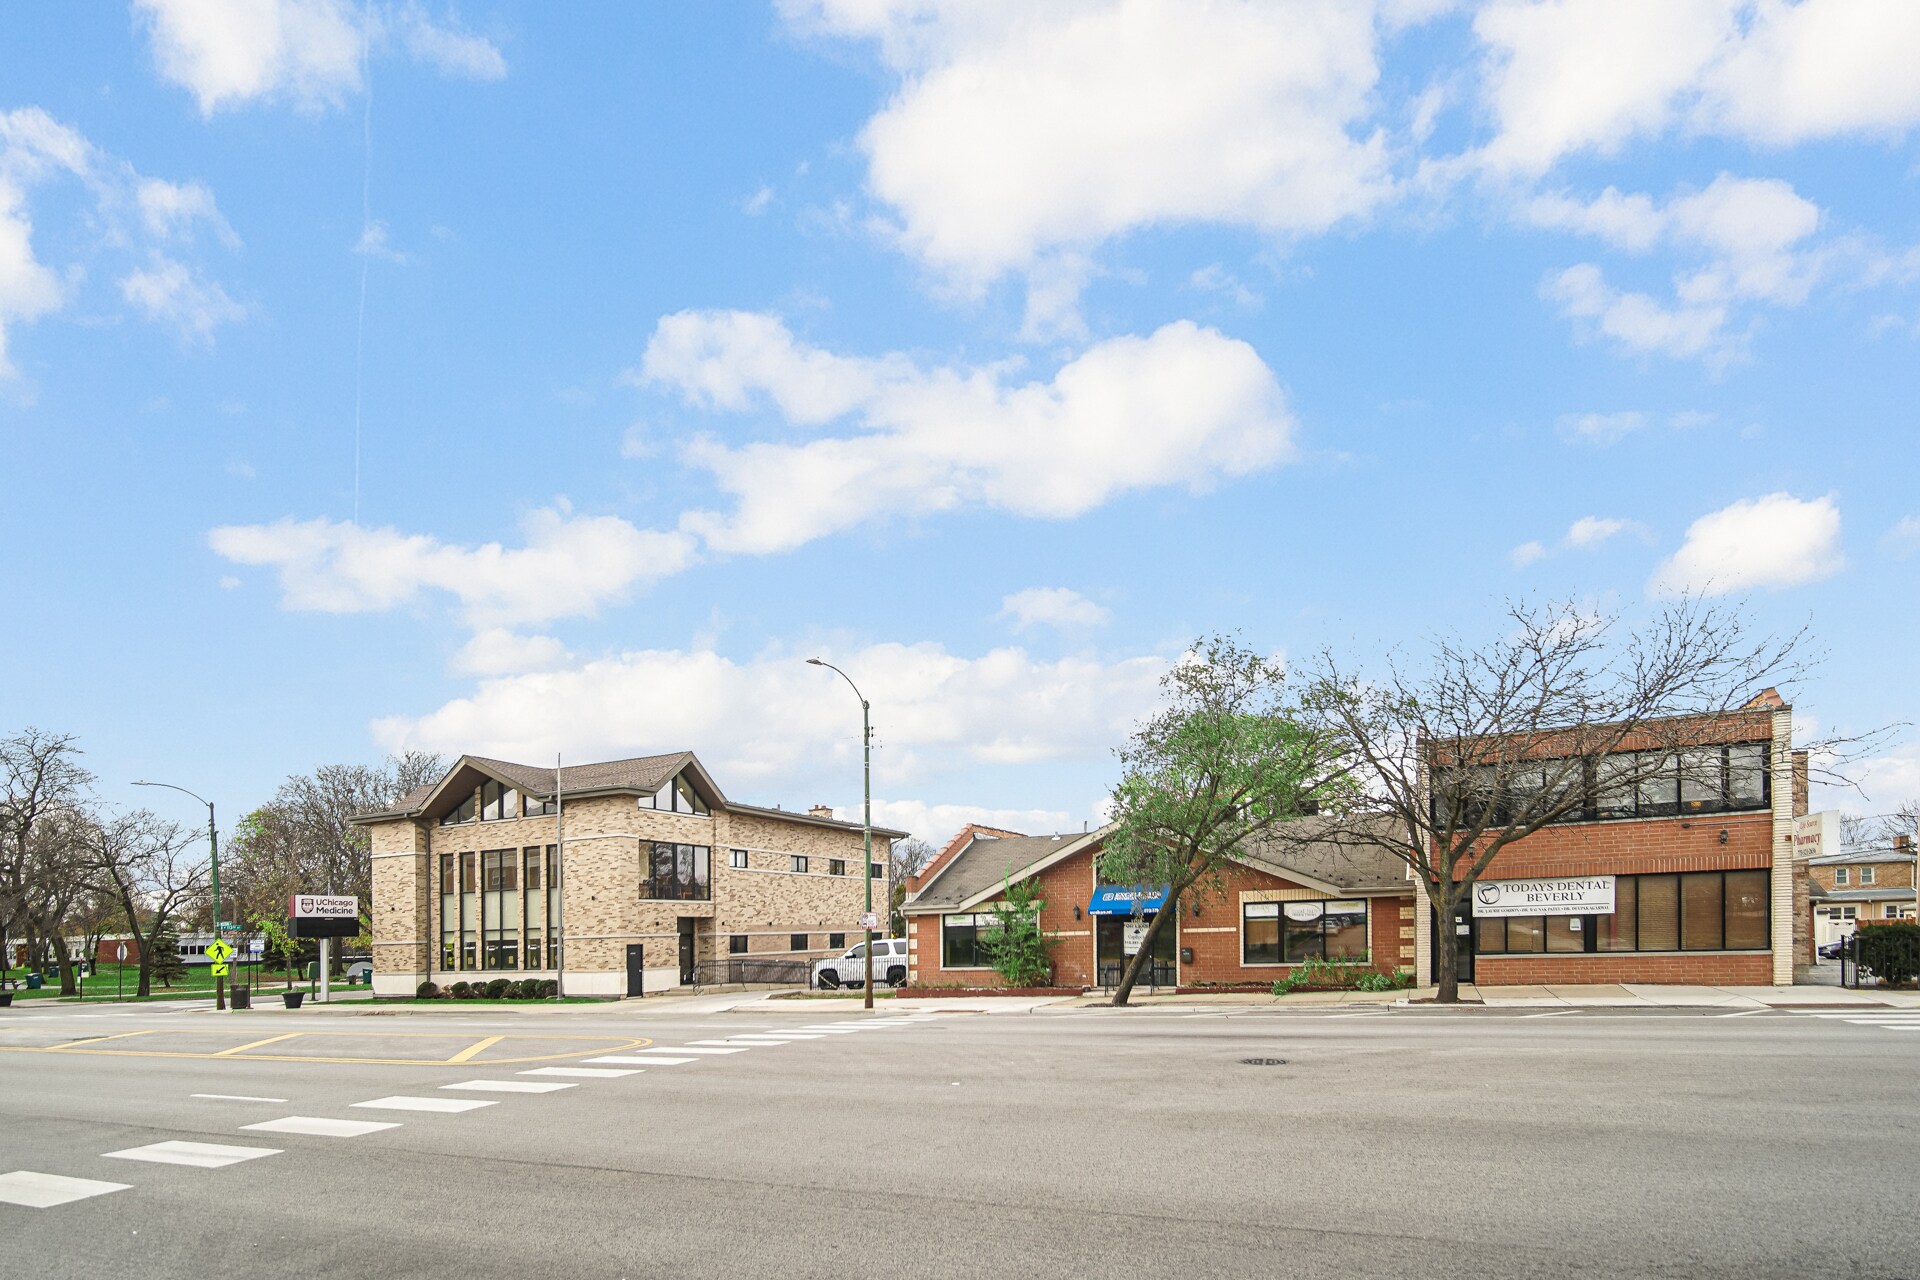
1292 932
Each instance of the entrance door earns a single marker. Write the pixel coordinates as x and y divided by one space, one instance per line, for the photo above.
1462 939
686 951
636 970
1111 956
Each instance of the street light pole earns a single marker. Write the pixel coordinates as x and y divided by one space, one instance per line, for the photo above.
213 844
866 820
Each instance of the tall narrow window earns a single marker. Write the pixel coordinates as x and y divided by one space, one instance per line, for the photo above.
1748 914
1616 932
449 915
1659 913
1700 908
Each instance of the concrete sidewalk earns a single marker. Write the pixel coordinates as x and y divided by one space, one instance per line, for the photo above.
1645 995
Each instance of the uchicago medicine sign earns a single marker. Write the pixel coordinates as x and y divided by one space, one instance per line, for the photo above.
1579 896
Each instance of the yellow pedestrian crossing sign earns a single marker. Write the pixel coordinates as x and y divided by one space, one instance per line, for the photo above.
219 951
219 968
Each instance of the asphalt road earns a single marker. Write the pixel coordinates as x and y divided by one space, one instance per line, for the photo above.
1422 1143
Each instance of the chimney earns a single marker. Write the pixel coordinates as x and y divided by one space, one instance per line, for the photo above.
1801 790
821 811
1903 843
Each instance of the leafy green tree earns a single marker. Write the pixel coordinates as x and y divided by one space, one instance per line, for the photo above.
1229 759
1016 948
280 942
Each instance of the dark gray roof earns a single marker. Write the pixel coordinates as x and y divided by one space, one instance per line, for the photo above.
792 815
1298 850
1877 893
1313 847
640 773
987 862
1860 855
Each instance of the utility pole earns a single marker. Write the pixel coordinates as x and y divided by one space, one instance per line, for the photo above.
213 844
866 820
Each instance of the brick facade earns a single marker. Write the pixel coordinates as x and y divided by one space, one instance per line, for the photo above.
603 876
1213 935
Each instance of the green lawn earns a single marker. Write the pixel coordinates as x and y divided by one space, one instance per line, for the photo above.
119 982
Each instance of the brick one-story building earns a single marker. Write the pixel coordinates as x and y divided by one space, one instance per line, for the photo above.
610 877
1273 909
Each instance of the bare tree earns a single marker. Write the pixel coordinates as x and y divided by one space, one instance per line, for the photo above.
1489 743
302 840
155 871
40 776
905 858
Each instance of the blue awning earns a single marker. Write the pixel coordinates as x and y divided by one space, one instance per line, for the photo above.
1124 900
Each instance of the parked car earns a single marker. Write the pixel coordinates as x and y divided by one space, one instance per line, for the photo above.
1833 950
849 969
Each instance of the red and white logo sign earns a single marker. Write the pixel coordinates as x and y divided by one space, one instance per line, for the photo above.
311 906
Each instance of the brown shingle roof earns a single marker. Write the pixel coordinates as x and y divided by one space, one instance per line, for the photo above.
988 862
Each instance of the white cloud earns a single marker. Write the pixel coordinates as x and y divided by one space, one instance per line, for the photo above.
500 652
1526 553
570 566
172 294
309 52
1591 531
1638 321
1215 278
938 823
1745 237
1774 541
1888 781
1019 131
1602 428
1904 538
453 51
1572 76
1053 607
36 149
1182 406
775 717
375 242
171 210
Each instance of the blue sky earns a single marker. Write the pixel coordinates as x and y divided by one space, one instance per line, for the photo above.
991 350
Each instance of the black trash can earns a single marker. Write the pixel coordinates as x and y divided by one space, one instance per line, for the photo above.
242 997
293 998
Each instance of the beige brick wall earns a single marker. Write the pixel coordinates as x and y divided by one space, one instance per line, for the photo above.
601 909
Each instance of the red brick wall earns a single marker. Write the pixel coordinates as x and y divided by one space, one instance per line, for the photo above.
1706 968
1216 955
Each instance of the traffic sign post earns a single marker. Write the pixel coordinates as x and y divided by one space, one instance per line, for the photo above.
120 971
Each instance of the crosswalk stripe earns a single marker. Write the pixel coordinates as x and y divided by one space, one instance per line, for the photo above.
45 1190
510 1086
646 1059
198 1155
583 1073
321 1126
400 1102
712 1047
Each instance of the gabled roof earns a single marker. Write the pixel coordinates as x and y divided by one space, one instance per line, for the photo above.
1335 868
981 867
637 775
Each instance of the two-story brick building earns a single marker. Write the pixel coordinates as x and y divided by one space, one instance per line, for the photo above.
608 877
1683 874
1277 905
1859 886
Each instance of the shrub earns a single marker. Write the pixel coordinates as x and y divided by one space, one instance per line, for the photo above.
460 990
1398 980
549 988
1341 974
497 989
528 989
1891 952
1016 948
426 991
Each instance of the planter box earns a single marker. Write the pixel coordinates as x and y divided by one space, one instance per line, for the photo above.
293 998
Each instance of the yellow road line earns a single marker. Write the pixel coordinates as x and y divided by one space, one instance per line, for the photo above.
603 1046
466 1054
242 1048
95 1040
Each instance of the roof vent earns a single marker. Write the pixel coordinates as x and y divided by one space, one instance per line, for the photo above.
821 811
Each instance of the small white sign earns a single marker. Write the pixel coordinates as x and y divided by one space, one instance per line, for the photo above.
870 920
1133 936
256 946
311 906
1580 896
120 952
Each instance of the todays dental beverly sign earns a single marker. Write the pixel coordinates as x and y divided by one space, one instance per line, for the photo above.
1581 896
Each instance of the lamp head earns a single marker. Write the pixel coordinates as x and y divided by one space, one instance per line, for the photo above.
815 662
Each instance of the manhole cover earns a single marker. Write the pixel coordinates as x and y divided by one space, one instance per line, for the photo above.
1263 1062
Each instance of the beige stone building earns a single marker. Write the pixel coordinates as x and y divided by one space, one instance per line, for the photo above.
610 877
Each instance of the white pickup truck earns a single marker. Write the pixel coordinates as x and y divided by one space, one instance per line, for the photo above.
850 968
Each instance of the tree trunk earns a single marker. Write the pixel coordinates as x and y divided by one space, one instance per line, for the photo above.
68 987
1169 910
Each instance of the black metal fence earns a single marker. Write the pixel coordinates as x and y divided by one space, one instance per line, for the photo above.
746 971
